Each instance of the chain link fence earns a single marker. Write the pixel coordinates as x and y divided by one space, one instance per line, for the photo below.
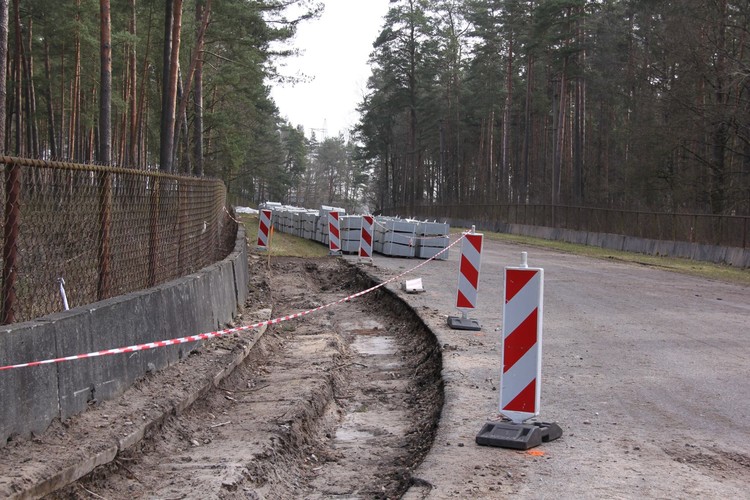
102 232
720 230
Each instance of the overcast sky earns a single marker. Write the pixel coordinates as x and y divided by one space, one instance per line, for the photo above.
334 53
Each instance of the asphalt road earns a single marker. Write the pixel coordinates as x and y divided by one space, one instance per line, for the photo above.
645 370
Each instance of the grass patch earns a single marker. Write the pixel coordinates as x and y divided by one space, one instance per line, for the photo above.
707 270
281 244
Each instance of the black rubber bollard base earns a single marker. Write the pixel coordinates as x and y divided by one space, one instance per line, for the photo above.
463 323
517 436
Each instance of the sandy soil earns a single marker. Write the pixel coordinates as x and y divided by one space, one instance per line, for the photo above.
341 403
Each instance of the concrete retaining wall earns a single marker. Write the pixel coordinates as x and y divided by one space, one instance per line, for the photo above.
30 398
737 257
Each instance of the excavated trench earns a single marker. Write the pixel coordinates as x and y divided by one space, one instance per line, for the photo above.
342 403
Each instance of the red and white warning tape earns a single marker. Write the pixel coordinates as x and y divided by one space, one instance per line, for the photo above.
221 333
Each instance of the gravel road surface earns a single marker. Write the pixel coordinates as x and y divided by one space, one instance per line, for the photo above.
645 370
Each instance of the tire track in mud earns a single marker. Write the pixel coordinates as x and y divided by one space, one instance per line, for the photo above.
339 404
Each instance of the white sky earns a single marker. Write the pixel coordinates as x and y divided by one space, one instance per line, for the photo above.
334 53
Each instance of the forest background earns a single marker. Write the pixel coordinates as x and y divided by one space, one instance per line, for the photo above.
630 104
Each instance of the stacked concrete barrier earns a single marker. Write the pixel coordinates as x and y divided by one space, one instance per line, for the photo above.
395 237
392 236
322 225
308 220
351 227
432 237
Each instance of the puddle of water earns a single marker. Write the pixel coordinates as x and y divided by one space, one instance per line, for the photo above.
352 435
361 325
374 345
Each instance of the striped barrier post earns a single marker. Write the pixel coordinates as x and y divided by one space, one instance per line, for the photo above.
334 237
468 281
521 376
365 238
264 228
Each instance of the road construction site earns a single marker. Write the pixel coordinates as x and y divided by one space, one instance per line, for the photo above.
376 397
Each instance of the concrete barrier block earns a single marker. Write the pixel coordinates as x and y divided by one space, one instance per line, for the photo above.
664 248
581 237
574 236
241 274
222 293
84 381
28 396
638 245
185 309
239 262
737 257
613 241
683 249
708 253
594 239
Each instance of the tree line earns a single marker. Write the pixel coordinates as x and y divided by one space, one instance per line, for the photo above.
180 86
635 104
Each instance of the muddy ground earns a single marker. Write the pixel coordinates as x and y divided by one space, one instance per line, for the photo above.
342 403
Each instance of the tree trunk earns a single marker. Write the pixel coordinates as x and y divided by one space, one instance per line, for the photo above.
527 129
61 140
167 116
3 69
181 127
140 119
720 126
18 149
74 139
559 140
505 162
198 91
578 141
174 68
132 98
105 87
52 134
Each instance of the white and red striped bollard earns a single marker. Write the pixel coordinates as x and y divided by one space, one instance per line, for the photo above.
264 228
521 378
334 236
365 238
468 281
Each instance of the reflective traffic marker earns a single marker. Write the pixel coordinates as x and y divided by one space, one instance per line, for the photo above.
468 281
264 228
521 377
365 238
334 237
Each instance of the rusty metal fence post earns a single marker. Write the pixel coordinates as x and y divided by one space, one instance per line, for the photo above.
10 239
181 224
153 231
105 222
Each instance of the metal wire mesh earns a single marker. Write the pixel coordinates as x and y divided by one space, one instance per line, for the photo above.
722 230
104 231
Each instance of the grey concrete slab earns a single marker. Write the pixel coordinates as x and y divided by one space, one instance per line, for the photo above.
28 396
